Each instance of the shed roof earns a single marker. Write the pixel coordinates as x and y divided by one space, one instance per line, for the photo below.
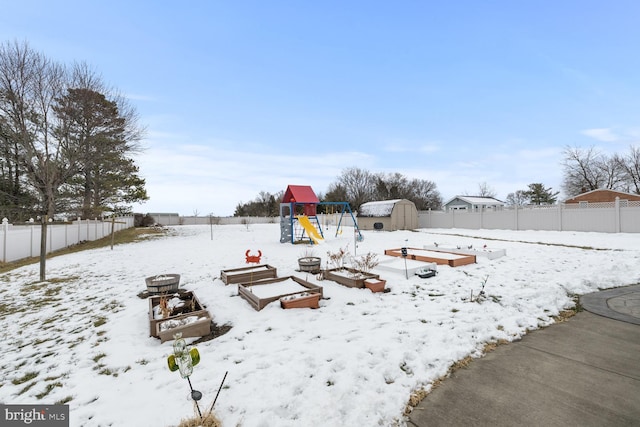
379 208
300 194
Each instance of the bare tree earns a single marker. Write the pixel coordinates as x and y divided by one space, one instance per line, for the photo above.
518 198
425 194
390 186
631 167
358 184
582 171
613 171
52 133
484 190
30 83
589 169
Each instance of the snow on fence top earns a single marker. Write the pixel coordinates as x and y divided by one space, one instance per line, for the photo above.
381 208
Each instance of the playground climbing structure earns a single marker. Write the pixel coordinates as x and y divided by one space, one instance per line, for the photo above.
299 222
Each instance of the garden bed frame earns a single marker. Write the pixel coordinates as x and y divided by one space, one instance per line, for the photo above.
349 281
428 256
248 274
198 328
489 253
409 267
244 290
199 310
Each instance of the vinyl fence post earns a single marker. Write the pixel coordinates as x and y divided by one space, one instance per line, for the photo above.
50 235
617 215
560 217
31 237
5 231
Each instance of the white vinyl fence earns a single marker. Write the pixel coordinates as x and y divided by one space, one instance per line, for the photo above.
331 219
613 217
23 241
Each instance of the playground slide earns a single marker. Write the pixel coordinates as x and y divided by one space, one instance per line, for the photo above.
311 230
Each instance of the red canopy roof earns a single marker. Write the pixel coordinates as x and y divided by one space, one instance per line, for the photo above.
300 194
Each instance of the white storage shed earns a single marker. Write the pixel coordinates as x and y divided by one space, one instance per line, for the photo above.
388 215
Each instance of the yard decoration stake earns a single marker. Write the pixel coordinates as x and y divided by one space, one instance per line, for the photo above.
253 258
218 393
404 255
184 359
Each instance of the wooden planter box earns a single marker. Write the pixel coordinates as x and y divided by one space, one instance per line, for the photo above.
375 285
439 257
490 253
259 294
163 283
248 274
301 301
189 306
196 324
343 276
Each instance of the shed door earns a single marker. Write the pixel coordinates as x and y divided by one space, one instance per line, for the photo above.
404 219
407 217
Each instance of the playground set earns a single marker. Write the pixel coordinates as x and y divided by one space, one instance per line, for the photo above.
299 222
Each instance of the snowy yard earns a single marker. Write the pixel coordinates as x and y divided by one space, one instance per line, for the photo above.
82 337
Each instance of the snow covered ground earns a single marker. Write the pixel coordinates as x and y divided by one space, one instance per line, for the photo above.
82 337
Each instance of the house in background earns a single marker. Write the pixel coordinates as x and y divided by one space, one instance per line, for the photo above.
388 215
473 204
602 196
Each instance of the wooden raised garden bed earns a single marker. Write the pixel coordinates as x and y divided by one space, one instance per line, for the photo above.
349 276
261 293
403 266
439 257
196 324
178 305
490 253
248 274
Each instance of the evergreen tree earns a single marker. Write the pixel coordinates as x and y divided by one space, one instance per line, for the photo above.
107 176
538 194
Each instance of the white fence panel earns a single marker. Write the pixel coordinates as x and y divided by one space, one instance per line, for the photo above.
498 220
602 220
598 217
629 220
23 241
536 219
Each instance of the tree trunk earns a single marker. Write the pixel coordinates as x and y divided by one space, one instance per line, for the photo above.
43 248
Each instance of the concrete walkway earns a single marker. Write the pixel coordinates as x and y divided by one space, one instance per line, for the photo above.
582 372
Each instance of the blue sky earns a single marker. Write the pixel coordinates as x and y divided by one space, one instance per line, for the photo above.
246 96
